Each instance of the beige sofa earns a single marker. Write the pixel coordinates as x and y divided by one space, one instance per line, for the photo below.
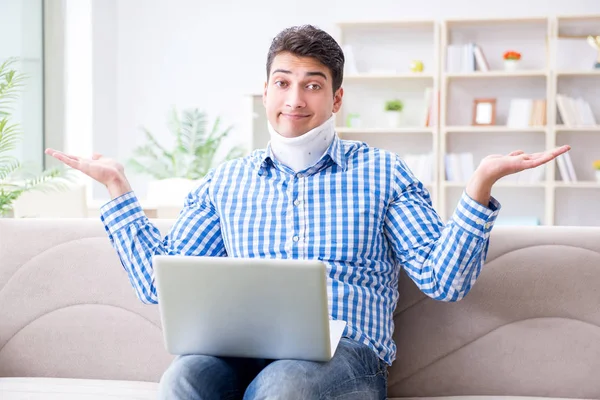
72 328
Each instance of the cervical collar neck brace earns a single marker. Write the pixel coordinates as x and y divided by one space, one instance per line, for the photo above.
304 151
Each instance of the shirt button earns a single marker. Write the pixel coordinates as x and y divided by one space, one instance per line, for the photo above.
295 238
299 176
297 202
479 222
488 225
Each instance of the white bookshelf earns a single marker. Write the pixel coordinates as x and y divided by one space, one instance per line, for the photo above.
529 36
495 74
572 60
343 130
376 76
383 52
550 65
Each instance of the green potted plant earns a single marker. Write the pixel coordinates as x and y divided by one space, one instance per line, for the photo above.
393 111
192 154
16 179
596 165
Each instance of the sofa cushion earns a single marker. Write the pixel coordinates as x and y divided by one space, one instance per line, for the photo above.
75 389
479 398
95 389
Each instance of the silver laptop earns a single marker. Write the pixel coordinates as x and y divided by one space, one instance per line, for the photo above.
241 307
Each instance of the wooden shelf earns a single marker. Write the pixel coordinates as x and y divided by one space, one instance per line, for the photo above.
449 184
563 128
385 130
492 129
387 24
454 22
375 76
497 74
591 72
578 185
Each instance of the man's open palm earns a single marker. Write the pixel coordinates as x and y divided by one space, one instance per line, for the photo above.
101 169
498 166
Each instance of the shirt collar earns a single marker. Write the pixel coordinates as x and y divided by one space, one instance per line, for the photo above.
335 151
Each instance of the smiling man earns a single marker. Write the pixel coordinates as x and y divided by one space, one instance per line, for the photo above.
312 195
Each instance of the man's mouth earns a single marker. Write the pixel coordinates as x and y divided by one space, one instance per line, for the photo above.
294 117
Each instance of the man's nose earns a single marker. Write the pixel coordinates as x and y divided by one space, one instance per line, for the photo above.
295 97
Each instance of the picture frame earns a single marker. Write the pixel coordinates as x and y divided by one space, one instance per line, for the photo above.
484 112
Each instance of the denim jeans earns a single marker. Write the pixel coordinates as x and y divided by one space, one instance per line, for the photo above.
355 372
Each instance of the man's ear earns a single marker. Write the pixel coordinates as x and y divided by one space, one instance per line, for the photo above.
337 100
265 94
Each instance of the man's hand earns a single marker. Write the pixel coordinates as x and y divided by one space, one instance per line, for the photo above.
497 166
104 170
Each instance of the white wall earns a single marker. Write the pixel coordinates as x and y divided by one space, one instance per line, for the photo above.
150 55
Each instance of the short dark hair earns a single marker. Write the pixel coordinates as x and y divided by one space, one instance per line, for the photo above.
309 41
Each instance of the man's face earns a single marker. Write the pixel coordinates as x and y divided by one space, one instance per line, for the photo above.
299 95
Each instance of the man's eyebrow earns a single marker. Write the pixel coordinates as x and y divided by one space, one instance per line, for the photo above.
316 73
312 73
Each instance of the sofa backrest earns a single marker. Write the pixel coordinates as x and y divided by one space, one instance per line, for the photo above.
67 308
529 326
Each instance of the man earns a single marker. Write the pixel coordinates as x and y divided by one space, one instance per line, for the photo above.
312 195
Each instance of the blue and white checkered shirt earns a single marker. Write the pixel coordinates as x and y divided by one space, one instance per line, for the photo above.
358 209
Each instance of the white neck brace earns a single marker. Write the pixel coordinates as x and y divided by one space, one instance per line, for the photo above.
304 151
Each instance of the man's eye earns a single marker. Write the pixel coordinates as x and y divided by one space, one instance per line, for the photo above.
314 86
280 84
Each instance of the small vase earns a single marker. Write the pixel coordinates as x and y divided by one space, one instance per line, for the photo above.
511 65
9 214
598 175
394 119
353 121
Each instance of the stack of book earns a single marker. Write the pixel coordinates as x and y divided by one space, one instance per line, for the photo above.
432 106
565 167
421 166
533 175
459 167
574 111
523 113
466 58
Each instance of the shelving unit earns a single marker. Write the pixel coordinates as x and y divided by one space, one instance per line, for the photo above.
382 52
459 90
495 74
539 77
574 76
368 76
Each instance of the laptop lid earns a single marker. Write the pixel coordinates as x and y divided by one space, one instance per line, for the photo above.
240 307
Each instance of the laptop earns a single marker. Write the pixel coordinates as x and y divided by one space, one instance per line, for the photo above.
245 307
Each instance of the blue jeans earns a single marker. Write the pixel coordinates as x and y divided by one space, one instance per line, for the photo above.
355 372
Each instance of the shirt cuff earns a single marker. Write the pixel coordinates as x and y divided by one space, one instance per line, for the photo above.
474 217
120 212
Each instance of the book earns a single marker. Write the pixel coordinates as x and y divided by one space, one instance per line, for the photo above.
481 61
519 113
562 167
570 168
574 111
459 166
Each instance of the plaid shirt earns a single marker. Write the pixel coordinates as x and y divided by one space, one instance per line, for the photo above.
358 209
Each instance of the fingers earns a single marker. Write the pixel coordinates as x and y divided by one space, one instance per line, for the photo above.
561 150
543 155
538 159
56 154
71 161
96 156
